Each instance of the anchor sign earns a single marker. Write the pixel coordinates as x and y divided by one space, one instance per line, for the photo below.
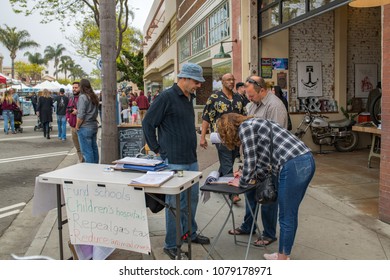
310 83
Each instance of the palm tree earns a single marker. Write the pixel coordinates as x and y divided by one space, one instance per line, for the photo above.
54 54
66 64
77 72
15 40
35 58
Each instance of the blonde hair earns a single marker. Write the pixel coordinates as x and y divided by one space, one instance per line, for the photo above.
46 93
7 97
227 127
134 103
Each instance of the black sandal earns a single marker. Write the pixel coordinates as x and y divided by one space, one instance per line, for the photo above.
237 231
264 241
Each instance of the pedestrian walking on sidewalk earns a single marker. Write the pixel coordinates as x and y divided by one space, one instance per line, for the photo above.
292 169
172 113
143 104
7 106
45 111
62 103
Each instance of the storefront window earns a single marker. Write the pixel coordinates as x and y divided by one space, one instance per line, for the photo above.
184 47
279 14
219 24
267 2
199 38
292 9
314 4
168 80
270 18
218 72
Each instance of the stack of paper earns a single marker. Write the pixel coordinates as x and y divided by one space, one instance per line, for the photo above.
139 164
214 178
139 161
152 179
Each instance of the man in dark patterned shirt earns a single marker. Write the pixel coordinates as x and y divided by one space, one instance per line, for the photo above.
222 102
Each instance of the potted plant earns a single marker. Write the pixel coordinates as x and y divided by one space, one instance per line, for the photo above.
349 105
348 115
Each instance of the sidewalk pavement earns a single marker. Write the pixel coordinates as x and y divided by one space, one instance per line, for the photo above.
338 217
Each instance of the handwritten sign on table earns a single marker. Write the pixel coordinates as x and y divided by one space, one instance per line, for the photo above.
110 215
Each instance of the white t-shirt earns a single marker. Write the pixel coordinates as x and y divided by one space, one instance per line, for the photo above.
125 113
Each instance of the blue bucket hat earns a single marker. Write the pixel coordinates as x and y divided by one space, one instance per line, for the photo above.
192 71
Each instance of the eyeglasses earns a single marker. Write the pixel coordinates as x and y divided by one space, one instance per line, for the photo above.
251 81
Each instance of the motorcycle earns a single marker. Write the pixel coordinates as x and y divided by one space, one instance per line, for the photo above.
332 133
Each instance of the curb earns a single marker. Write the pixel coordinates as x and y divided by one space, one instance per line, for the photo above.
39 242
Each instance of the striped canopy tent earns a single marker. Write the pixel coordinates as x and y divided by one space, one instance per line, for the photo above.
4 79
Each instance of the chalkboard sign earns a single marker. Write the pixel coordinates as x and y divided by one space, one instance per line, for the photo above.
131 140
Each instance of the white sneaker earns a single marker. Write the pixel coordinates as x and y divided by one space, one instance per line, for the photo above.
272 257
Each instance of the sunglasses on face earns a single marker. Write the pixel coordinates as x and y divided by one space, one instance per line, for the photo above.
251 81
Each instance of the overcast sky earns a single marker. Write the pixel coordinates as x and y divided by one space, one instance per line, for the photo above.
50 34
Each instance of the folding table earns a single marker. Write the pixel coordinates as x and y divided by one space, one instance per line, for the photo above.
45 197
227 191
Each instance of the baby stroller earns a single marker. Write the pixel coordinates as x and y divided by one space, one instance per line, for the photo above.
18 114
39 125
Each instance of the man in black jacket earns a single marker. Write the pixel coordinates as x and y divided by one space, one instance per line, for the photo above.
172 113
62 103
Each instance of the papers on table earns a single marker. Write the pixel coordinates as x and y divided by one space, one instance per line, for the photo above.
139 164
143 168
139 161
213 178
215 138
152 179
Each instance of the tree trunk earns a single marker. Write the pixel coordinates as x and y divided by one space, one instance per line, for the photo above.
13 67
109 144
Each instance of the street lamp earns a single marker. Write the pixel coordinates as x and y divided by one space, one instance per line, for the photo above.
222 53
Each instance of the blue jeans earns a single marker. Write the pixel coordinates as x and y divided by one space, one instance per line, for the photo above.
226 159
294 179
61 124
170 221
8 115
88 144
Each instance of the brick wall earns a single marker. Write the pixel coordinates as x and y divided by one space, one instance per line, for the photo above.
204 92
384 185
313 40
364 42
186 8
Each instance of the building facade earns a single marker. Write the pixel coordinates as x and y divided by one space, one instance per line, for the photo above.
323 54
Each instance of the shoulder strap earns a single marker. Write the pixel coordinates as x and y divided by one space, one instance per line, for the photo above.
271 139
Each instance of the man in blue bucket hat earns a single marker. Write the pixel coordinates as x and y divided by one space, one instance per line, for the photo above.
172 113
